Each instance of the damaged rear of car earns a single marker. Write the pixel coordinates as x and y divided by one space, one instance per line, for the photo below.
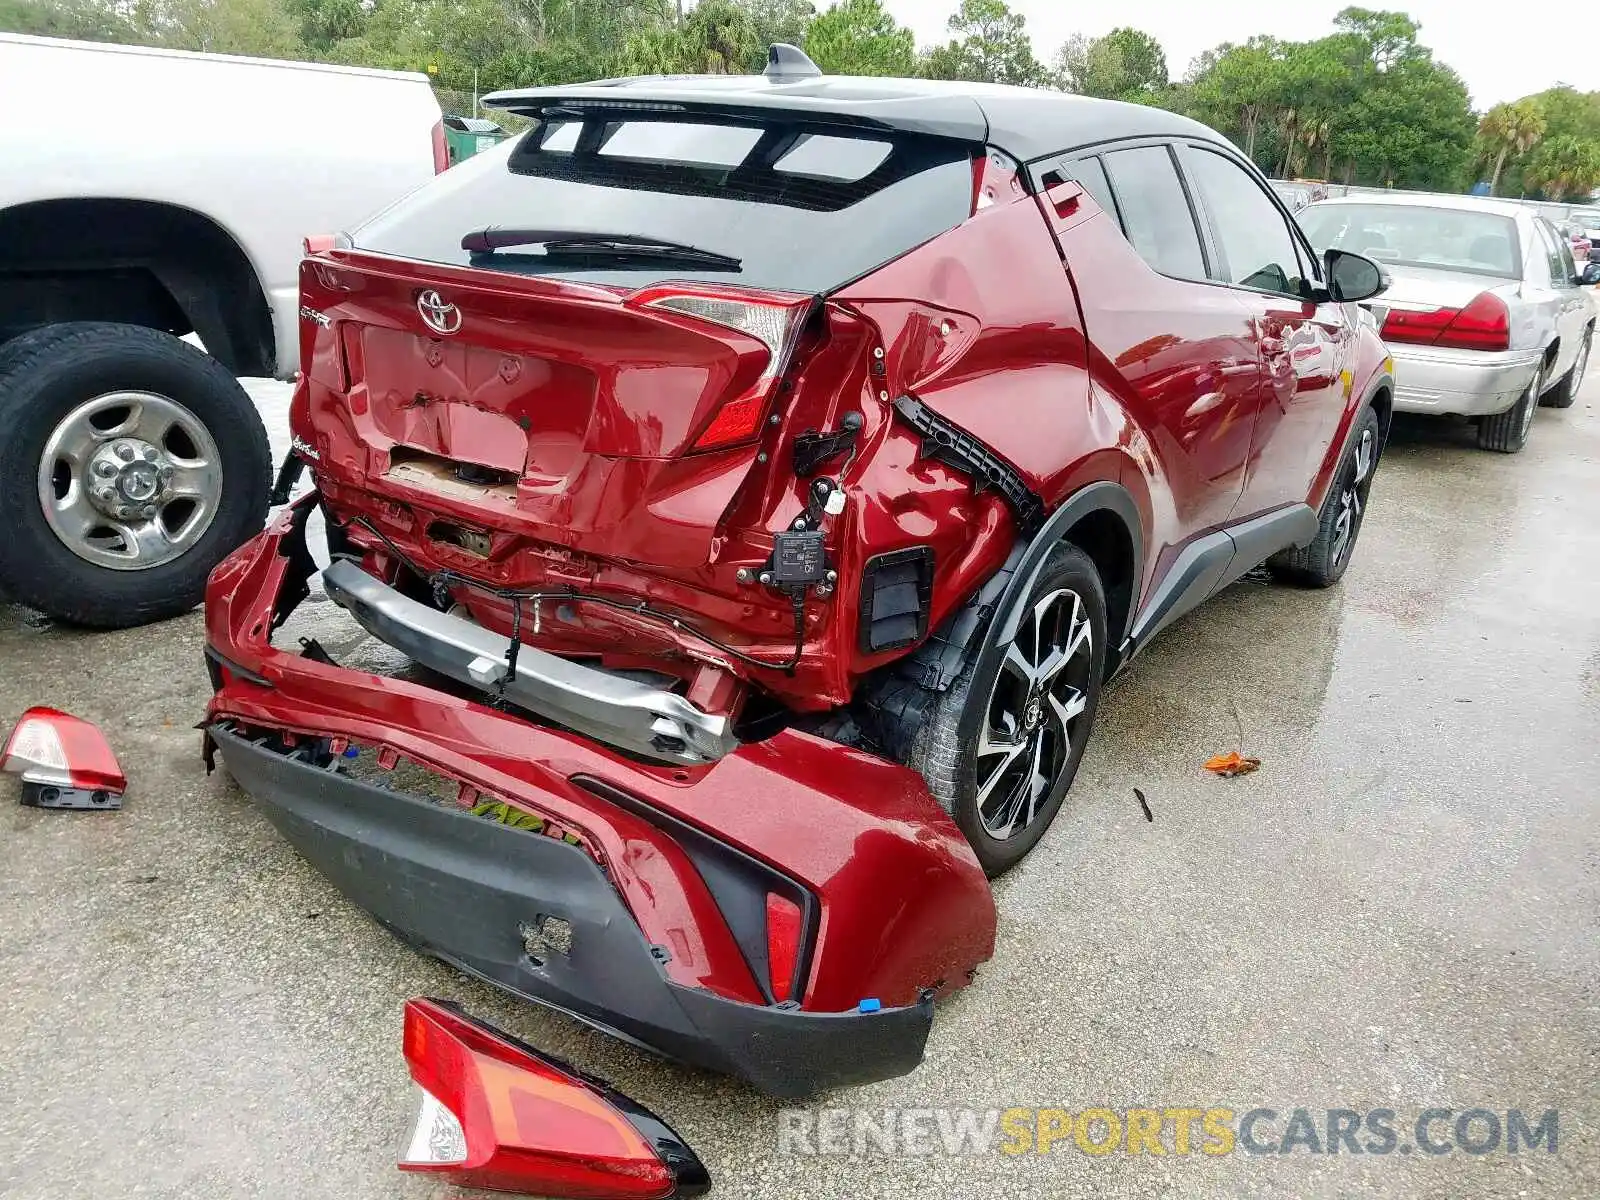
601 445
731 460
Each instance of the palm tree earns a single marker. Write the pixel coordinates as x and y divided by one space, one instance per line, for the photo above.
1564 168
1317 133
1509 129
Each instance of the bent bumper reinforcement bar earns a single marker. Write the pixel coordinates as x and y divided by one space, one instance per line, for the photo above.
621 712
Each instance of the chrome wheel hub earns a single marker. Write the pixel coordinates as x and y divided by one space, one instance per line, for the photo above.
1033 723
1032 715
130 480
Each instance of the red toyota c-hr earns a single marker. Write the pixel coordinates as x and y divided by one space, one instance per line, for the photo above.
770 470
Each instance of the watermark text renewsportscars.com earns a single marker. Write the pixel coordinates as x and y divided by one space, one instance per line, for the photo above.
1167 1131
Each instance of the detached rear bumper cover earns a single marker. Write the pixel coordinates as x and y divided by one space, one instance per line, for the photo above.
656 954
460 888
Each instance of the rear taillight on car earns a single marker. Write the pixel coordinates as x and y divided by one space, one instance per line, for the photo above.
775 321
497 1114
1484 324
64 761
441 149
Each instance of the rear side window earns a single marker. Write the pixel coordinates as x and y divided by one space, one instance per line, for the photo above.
800 209
1155 211
1091 173
1559 254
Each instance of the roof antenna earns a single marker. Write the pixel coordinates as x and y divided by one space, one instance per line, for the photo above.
788 64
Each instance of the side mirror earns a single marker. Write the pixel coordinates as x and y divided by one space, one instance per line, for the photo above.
1352 277
1590 274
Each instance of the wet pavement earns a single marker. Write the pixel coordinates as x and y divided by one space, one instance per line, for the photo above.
1399 910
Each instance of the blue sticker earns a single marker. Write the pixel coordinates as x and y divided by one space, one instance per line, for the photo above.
870 1006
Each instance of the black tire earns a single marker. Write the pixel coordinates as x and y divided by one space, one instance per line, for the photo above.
1322 563
44 375
945 750
1566 392
1507 432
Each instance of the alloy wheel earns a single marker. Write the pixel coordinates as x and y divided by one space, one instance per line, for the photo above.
1034 717
1353 496
130 480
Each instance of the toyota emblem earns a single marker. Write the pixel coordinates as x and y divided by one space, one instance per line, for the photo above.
438 314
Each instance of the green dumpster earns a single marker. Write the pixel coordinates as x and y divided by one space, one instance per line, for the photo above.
466 136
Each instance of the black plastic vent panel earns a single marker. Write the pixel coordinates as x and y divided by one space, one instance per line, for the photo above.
896 595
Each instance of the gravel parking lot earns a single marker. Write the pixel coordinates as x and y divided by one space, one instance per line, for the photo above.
1401 909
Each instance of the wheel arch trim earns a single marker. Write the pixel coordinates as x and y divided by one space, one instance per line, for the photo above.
1096 497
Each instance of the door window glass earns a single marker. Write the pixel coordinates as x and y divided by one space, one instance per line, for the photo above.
1258 251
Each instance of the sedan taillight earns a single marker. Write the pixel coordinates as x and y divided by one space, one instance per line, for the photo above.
1484 324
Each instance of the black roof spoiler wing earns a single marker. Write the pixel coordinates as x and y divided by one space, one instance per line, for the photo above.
949 116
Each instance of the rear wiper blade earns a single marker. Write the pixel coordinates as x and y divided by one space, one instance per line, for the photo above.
574 241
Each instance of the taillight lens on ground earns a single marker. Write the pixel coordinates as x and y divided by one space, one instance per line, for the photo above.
57 749
773 321
785 929
1484 324
497 1114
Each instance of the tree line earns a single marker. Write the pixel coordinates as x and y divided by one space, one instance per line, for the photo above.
1368 103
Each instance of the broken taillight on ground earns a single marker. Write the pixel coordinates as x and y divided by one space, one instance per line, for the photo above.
498 1114
64 761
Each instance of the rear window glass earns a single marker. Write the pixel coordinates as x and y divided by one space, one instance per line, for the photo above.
801 210
1415 235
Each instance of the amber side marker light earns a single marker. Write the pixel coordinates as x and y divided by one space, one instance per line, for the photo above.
65 762
498 1114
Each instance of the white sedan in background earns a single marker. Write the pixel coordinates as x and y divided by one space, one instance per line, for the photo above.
1485 315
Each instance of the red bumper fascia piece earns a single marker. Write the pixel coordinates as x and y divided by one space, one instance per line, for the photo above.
901 908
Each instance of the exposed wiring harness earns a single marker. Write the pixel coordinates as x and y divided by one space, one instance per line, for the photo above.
443 580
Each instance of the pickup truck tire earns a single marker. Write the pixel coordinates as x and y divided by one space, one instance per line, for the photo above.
125 431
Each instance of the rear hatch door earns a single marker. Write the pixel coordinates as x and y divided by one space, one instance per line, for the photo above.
581 333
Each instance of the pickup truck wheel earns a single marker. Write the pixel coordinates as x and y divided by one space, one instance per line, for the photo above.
1565 392
132 464
999 750
1322 563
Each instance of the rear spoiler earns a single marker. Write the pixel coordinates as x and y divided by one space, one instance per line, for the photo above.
958 117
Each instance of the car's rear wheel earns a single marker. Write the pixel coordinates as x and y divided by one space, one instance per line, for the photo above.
1000 748
130 465
1566 392
1323 562
1507 432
